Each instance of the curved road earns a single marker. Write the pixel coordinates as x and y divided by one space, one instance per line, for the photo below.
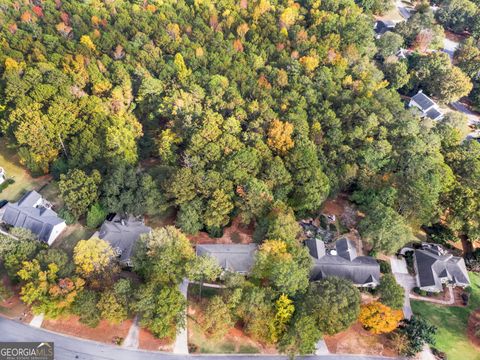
68 348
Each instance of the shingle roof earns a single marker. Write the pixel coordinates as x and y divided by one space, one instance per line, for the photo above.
361 270
122 235
316 248
423 101
433 114
232 257
434 263
38 220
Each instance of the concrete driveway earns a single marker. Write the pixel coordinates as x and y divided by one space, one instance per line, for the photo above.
404 279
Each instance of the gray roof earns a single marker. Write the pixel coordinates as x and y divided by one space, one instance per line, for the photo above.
316 248
423 101
232 257
345 263
122 235
433 114
23 214
382 26
434 263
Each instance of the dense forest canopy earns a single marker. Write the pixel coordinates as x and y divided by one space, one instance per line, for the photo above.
241 103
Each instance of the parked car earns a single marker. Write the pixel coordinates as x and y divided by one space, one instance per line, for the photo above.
3 203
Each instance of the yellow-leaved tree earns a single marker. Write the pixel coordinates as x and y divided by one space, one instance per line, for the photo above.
379 318
280 136
93 257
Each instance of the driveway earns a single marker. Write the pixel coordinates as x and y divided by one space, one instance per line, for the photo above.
69 348
449 47
407 281
473 119
403 9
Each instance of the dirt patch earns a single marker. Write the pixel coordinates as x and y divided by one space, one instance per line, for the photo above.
13 307
104 332
357 340
147 341
236 233
473 328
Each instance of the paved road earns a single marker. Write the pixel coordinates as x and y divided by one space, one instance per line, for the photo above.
69 348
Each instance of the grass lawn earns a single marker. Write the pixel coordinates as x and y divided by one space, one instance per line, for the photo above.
23 180
451 322
73 234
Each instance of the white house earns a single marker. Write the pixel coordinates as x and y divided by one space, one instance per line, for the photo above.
427 106
34 213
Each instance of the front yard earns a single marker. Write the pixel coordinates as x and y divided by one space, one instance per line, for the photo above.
451 322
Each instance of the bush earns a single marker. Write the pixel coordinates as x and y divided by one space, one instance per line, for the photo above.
96 215
385 267
391 293
5 184
67 216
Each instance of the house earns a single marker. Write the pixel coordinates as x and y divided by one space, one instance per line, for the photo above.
427 106
434 267
3 176
34 213
122 234
342 261
230 257
382 26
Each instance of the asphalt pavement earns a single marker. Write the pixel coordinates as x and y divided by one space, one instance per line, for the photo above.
70 348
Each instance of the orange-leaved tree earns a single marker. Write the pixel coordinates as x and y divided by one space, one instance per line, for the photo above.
379 318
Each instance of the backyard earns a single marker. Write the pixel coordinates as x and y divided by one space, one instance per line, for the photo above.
451 322
23 181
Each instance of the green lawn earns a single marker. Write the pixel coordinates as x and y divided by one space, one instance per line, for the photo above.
73 234
451 322
23 180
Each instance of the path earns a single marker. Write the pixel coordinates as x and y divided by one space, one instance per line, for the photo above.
407 281
37 321
449 47
181 341
68 348
132 341
450 301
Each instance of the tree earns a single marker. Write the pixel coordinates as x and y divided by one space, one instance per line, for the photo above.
217 320
467 58
218 209
85 307
79 190
418 332
457 15
58 257
396 72
334 303
280 136
302 335
284 309
13 252
379 318
161 309
285 267
377 7
45 292
391 293
93 257
163 256
389 43
96 215
384 228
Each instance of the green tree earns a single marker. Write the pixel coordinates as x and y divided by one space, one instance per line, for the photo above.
391 293
389 43
334 304
161 309
217 320
96 215
79 190
418 332
85 307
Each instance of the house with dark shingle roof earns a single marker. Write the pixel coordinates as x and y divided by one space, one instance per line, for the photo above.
343 262
230 257
434 266
427 106
382 26
34 213
122 234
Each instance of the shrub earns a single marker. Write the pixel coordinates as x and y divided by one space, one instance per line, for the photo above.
385 267
67 216
96 215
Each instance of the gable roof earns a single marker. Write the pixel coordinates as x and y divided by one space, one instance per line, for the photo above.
232 257
433 114
344 263
122 234
434 263
423 101
27 214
